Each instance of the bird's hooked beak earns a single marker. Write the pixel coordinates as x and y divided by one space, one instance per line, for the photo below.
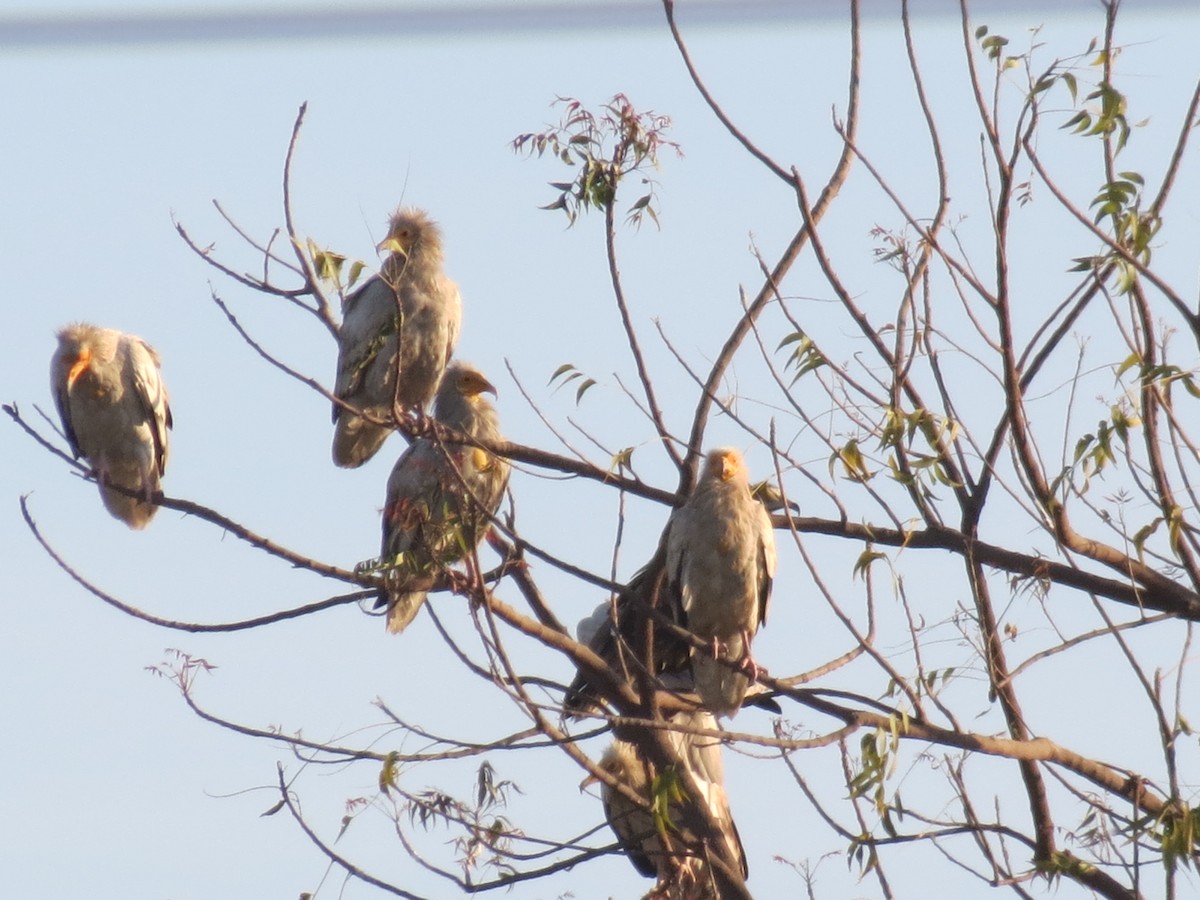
392 245
729 466
588 782
473 384
82 361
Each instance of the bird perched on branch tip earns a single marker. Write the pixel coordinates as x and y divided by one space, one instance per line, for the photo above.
109 392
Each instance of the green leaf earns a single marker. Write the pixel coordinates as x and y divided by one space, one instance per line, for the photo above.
583 388
853 462
387 774
1072 85
622 460
561 370
790 339
864 561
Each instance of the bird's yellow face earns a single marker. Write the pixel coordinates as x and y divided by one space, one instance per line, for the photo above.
471 384
726 464
614 765
400 239
77 363
611 763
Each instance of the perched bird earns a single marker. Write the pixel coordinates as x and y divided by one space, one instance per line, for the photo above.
720 563
109 392
397 335
440 498
615 631
671 848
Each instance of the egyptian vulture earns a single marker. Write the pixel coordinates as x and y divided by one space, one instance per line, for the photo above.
110 395
440 498
720 563
397 335
671 849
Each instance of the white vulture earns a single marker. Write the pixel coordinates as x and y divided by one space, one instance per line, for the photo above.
669 848
397 335
109 392
720 564
440 498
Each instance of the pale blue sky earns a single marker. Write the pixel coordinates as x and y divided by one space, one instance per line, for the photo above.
112 788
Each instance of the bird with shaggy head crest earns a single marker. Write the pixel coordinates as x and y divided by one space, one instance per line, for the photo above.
110 396
397 335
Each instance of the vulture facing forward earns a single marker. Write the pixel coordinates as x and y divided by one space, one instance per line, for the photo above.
440 499
109 392
402 322
670 853
720 563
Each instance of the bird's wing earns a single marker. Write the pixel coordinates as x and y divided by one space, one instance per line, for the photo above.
453 300
702 755
617 643
143 374
410 481
58 385
766 560
676 537
425 510
368 320
633 825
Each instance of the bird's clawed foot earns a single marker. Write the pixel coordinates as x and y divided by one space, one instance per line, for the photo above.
469 583
747 664
419 422
752 669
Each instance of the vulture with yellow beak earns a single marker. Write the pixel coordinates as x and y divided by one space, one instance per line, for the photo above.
720 564
397 335
109 392
668 846
440 496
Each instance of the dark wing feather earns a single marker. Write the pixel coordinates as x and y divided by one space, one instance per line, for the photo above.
617 643
764 586
143 371
62 403
368 315
766 559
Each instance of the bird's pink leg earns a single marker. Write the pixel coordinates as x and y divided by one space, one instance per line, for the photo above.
747 664
468 583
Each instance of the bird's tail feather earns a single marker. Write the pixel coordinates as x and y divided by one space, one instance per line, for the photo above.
403 608
136 512
721 689
355 440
